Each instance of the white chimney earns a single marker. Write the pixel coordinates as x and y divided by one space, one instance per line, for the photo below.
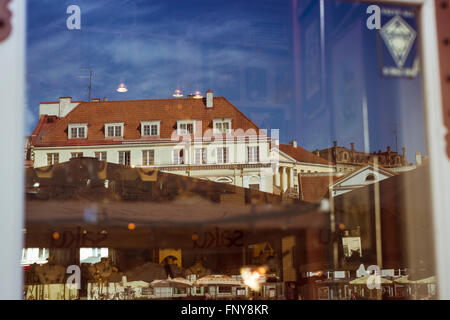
209 98
418 158
293 144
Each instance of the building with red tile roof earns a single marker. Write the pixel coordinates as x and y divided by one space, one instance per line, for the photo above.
207 138
294 161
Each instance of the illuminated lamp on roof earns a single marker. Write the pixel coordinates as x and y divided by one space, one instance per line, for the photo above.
177 93
122 88
197 95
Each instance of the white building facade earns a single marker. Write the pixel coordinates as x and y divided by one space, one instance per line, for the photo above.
201 138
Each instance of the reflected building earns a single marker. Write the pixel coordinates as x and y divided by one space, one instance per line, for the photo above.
207 138
351 159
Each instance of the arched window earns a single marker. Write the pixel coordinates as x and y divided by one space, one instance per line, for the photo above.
370 177
224 180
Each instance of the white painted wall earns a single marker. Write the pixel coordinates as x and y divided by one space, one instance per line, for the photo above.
357 180
60 109
12 97
164 157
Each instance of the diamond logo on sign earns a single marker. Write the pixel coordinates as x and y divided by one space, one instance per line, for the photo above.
399 38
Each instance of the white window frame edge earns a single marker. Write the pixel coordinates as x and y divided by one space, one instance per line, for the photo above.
77 125
436 142
122 124
154 156
152 122
186 159
12 93
247 153
221 120
187 122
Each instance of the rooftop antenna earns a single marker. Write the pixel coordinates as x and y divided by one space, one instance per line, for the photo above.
395 132
90 82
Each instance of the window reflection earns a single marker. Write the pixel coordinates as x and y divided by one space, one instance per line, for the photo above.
302 173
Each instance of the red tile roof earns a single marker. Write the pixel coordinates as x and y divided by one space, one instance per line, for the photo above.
302 155
132 112
44 124
315 188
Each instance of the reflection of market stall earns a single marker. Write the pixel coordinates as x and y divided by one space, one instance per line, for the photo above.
162 227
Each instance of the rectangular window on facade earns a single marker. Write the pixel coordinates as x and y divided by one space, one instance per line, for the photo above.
150 129
52 158
77 131
201 156
222 126
253 154
254 186
146 130
148 157
73 132
76 154
124 157
178 156
110 131
154 130
118 131
101 156
114 130
186 128
222 155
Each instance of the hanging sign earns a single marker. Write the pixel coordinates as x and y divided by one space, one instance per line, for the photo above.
398 47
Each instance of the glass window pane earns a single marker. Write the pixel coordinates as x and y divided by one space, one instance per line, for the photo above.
324 123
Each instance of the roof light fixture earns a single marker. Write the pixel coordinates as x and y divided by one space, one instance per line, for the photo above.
122 88
198 95
177 93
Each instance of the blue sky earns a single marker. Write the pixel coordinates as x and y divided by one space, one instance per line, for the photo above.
243 50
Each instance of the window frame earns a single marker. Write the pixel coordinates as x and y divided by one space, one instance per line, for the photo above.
202 157
54 155
250 156
146 158
100 153
177 151
185 122
221 122
77 127
151 123
114 125
225 156
76 154
125 152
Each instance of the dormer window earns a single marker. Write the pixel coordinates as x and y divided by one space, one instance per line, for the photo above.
113 130
150 128
77 131
222 125
185 127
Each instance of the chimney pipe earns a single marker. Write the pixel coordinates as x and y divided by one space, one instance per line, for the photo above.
293 143
335 143
418 158
209 98
352 144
